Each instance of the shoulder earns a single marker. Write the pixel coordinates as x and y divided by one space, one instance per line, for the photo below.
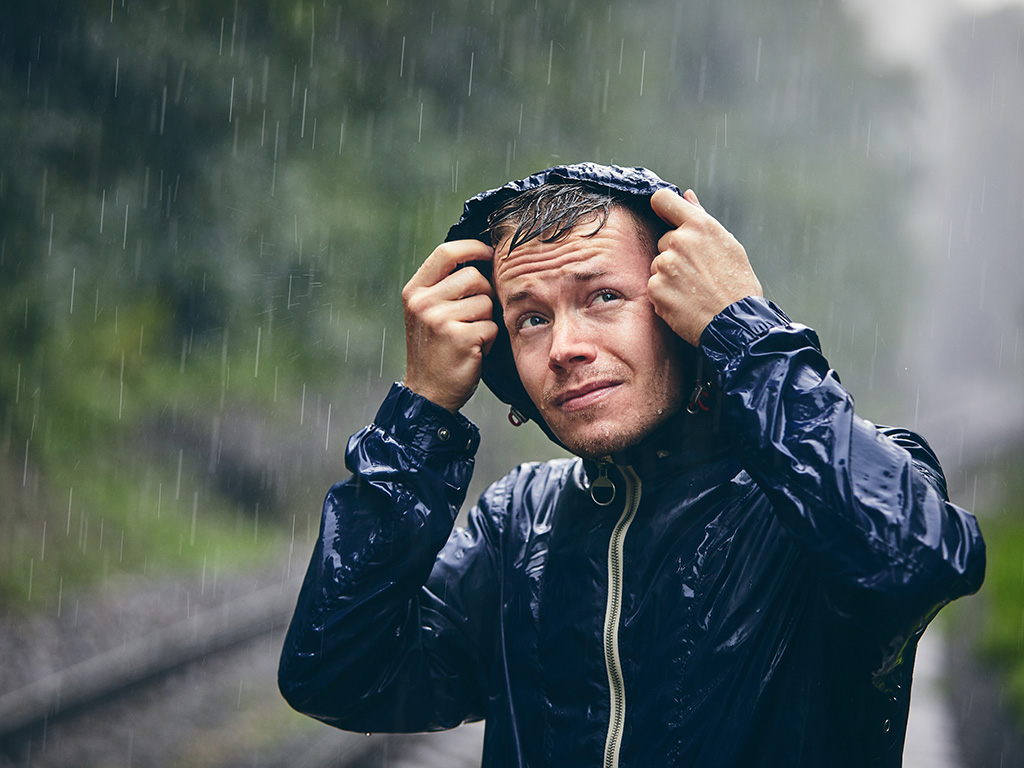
534 478
530 489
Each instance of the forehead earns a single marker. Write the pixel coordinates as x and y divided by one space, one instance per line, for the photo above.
615 246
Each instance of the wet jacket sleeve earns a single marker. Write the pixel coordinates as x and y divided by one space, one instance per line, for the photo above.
384 637
869 504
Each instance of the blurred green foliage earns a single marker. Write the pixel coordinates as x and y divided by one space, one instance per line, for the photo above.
1001 632
208 209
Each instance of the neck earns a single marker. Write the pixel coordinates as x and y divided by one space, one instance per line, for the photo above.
685 438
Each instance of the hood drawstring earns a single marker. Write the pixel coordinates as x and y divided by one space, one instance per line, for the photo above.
701 391
515 418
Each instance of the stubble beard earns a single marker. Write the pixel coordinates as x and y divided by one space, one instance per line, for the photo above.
577 433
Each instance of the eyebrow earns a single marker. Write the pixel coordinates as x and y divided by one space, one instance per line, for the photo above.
579 277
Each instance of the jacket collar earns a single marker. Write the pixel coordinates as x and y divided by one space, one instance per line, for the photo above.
685 442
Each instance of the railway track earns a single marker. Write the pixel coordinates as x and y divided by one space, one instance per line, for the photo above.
119 670
34 715
213 633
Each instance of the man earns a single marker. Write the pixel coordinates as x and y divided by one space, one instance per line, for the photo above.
736 570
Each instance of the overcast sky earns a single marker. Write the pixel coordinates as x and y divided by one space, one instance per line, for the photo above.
965 342
906 29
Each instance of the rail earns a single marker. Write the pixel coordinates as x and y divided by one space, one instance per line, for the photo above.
164 650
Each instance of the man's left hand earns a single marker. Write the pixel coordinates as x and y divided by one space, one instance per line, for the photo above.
700 268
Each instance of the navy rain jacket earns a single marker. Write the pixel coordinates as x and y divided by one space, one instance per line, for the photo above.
752 595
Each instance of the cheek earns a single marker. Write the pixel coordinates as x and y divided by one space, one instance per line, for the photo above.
672 373
531 367
663 354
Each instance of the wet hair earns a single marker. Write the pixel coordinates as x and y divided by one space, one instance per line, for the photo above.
551 212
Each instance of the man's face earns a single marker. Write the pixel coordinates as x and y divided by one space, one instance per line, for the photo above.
603 369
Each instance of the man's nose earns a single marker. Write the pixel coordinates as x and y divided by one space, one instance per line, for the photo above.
571 345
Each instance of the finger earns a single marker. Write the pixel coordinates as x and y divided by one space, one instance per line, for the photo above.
672 208
461 283
660 265
490 335
470 309
447 257
691 196
484 333
678 240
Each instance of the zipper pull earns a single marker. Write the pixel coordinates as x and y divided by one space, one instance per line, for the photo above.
602 490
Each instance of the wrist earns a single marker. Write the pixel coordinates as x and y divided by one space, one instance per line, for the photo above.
434 395
418 421
733 329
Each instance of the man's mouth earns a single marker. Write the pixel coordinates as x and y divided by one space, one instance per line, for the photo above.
584 395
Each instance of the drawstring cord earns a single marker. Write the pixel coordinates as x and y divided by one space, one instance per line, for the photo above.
515 418
701 391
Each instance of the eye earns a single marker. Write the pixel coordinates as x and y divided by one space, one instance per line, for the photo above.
530 321
605 297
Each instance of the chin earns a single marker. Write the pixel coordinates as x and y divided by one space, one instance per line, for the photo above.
596 438
597 443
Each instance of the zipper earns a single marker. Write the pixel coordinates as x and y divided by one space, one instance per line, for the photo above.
613 610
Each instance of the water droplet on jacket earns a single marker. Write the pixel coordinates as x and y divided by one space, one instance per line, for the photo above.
886 726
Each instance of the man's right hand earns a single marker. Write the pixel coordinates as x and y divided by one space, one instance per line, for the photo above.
449 325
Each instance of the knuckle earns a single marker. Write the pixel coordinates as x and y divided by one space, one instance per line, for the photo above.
433 318
443 251
413 302
483 304
476 280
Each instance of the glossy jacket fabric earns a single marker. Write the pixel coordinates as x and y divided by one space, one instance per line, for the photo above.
776 559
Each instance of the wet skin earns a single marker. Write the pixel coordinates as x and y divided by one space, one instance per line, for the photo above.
601 366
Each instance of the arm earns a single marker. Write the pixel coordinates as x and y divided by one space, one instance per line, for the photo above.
868 505
388 635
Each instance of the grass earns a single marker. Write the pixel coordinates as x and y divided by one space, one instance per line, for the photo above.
112 455
1001 641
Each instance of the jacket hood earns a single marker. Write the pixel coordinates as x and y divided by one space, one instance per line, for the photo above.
499 370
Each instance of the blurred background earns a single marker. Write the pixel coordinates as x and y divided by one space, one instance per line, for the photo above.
208 210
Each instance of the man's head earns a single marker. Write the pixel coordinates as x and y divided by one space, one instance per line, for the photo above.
571 266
